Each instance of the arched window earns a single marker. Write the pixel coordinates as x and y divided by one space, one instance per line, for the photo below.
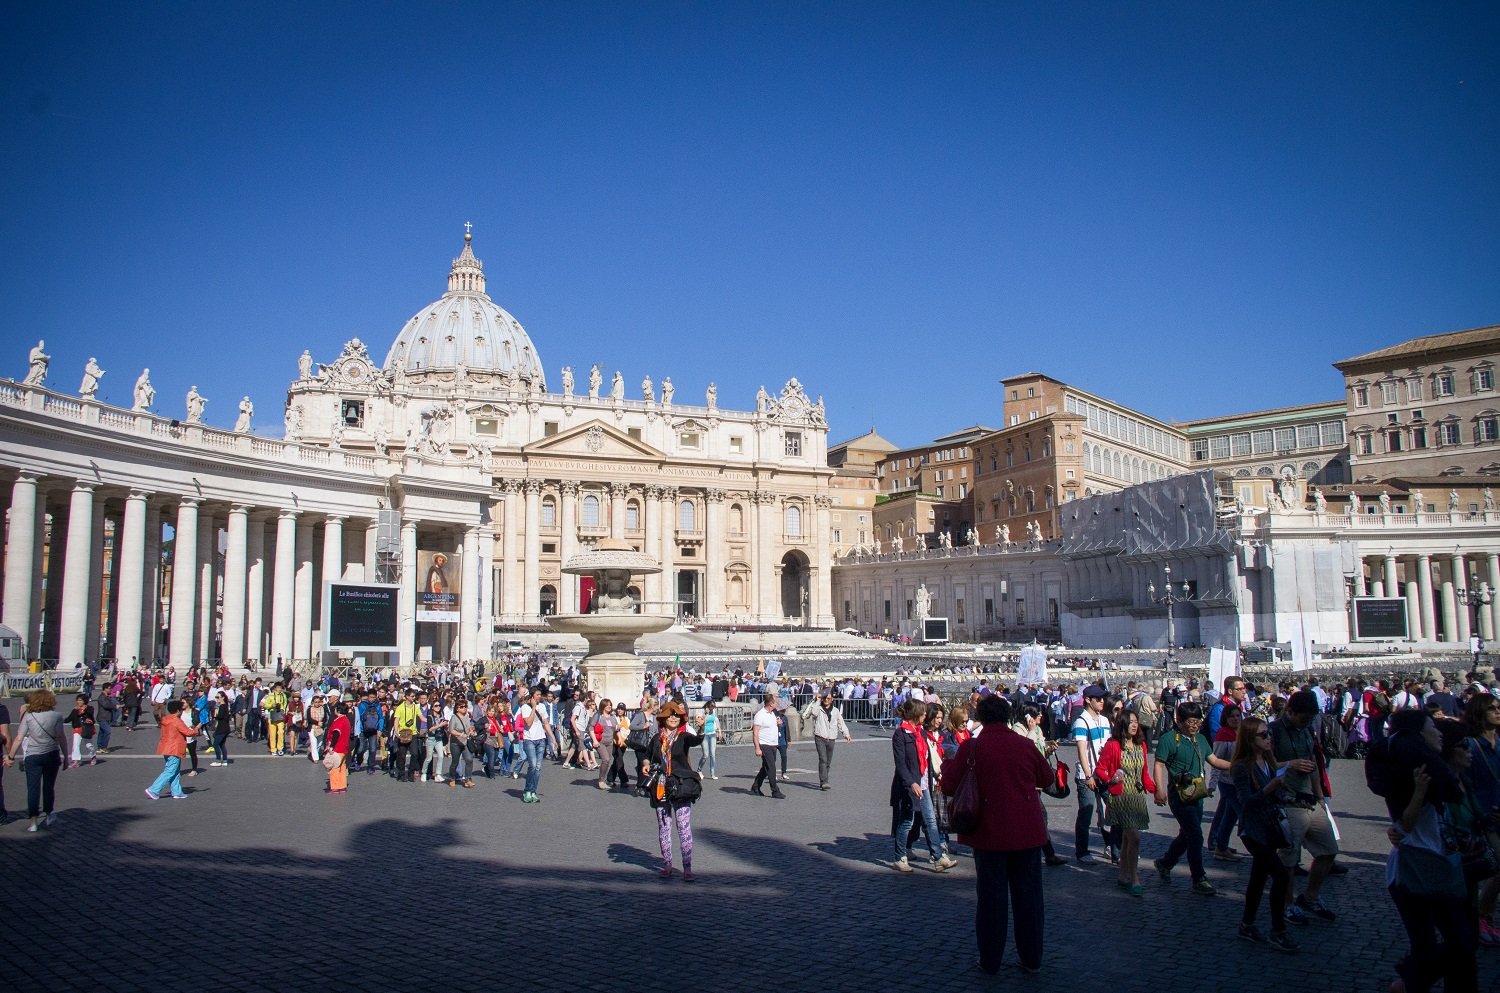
590 511
1030 500
632 516
736 519
549 512
793 521
687 516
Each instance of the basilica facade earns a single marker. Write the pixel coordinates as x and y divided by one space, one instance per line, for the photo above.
450 469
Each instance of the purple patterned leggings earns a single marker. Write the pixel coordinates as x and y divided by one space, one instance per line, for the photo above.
683 815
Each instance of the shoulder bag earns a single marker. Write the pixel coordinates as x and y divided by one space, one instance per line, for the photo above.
964 806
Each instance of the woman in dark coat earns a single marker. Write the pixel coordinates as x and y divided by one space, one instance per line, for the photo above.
674 784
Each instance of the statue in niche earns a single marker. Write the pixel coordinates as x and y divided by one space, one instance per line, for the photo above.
145 393
922 602
336 433
567 380
1418 502
195 405
36 374
1489 500
293 421
712 396
1385 504
304 366
595 381
667 389
1320 501
242 423
617 387
461 373
648 390
91 376
1453 501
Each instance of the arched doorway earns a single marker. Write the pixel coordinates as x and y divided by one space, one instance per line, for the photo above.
549 600
794 586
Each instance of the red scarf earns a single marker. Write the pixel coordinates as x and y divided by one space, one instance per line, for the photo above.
920 740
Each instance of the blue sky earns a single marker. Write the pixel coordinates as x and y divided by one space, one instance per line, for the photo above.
1189 208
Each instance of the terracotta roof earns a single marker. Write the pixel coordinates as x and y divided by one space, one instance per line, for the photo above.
1428 344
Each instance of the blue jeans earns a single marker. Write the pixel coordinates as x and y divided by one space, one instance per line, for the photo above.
1088 802
710 755
534 751
41 782
491 756
171 775
101 742
929 826
1189 840
1221 828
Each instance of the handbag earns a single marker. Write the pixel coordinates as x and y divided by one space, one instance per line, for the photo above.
331 760
640 738
1061 787
475 745
964 805
1425 873
683 789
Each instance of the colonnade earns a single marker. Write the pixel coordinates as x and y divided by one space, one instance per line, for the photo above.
1431 583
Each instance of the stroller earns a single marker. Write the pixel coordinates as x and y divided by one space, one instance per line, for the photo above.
1357 739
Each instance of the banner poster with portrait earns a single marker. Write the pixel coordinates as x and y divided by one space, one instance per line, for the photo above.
439 586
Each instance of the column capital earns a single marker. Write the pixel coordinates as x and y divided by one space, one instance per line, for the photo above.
653 492
335 518
287 515
669 492
510 485
139 494
715 495
568 487
618 490
84 486
241 508
28 476
533 487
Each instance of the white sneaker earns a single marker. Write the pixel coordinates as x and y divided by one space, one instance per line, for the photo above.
901 865
33 828
217 764
424 777
945 863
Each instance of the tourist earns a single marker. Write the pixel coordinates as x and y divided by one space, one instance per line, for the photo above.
460 730
223 721
312 721
1408 771
429 745
1482 719
40 740
1259 785
493 736
1028 722
642 726
783 733
171 746
1227 813
187 714
535 735
606 725
81 720
911 789
1125 769
404 721
1090 731
617 774
1183 756
828 724
764 735
340 737
107 715
273 711
1309 821
677 785
957 731
1008 841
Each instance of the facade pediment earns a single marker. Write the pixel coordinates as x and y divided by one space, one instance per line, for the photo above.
594 439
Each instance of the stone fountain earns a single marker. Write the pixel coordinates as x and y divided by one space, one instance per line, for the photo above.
611 668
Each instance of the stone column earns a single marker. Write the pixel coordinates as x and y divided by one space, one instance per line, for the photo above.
409 578
255 589
1414 625
236 538
669 546
49 623
767 570
1460 582
1391 589
208 599
1492 570
73 626
92 621
21 559
184 615
819 577
567 595
485 626
1359 577
468 604
284 588
510 565
1424 597
533 589
131 574
1450 610
715 548
652 544
302 595
617 493
151 647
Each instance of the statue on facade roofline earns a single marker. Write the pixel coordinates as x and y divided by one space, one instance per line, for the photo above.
617 387
91 376
762 400
648 390
304 365
712 396
1489 500
242 423
667 389
1320 501
567 380
36 375
1002 535
145 393
595 381
195 405
1418 502
1385 504
1453 501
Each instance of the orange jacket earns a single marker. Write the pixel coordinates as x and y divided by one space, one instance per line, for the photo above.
174 736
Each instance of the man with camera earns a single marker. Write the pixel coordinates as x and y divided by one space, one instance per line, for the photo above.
1182 756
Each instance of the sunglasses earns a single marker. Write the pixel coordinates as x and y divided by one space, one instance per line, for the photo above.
1263 734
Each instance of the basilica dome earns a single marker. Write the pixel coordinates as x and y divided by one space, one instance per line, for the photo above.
465 329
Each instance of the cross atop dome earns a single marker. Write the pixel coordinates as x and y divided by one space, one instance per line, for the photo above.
467 274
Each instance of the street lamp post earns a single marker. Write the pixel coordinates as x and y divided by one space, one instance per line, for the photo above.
1170 598
1474 599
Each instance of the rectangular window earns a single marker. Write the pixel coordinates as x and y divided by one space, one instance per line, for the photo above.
1363 445
838 536
989 610
632 517
1307 436
1361 396
1489 429
1333 433
1418 437
689 439
486 425
549 513
1286 439
1484 379
958 609
1388 393
1200 449
1219 447
1448 434
887 610
963 490
1414 389
1260 442
736 445
1442 384
1393 441
549 429
1239 444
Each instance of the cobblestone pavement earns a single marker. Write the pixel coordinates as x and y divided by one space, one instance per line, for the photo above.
259 881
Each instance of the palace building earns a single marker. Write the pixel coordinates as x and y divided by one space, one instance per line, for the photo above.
449 466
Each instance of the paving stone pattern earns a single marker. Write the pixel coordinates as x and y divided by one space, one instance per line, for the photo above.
260 882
